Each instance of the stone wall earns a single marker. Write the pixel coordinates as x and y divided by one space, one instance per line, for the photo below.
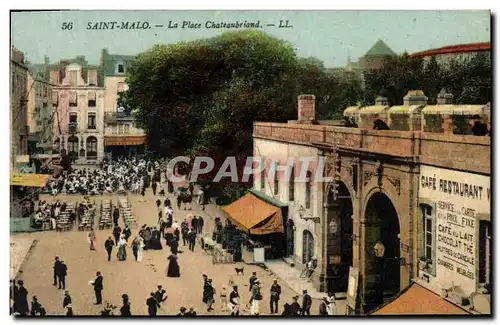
463 152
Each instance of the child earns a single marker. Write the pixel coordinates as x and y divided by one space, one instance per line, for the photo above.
223 298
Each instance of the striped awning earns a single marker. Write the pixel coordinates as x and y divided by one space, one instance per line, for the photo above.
375 109
29 180
455 109
352 110
412 109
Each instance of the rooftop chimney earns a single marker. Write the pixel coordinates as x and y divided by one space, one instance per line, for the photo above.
415 97
381 101
307 107
54 77
444 97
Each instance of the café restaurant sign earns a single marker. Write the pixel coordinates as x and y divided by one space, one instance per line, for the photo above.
456 199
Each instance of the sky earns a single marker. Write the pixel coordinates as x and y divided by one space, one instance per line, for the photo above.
330 36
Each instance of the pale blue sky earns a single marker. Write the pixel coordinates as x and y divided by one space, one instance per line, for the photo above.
328 35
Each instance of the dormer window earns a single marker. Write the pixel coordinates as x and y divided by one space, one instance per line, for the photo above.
120 68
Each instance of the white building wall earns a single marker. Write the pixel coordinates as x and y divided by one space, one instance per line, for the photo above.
281 151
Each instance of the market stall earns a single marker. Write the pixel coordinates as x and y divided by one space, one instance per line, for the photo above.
257 227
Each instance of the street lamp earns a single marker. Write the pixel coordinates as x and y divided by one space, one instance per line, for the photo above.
302 212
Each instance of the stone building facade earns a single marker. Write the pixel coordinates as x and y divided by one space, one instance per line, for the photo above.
78 103
121 136
376 201
19 129
40 113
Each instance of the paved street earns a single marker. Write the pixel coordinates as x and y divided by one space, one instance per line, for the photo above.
135 279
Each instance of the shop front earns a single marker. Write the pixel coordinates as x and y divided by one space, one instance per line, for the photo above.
123 146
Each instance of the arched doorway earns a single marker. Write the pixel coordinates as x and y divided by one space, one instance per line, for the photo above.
382 251
91 147
290 237
339 239
73 148
307 246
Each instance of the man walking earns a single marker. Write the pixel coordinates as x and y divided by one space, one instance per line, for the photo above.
152 304
192 240
153 186
275 296
117 231
63 271
56 267
109 247
306 303
160 295
116 215
194 224
92 239
67 303
200 225
98 288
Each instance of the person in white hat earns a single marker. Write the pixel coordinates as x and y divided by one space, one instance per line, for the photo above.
256 298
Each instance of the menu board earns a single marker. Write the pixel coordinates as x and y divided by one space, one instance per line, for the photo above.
457 199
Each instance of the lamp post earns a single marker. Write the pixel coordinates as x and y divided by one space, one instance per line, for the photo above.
379 251
302 215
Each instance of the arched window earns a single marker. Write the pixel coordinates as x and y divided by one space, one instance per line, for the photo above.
73 147
91 147
291 185
308 189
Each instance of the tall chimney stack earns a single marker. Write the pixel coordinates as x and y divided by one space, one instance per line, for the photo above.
415 97
444 97
306 107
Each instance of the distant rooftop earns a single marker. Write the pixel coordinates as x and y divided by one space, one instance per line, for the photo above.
380 49
459 48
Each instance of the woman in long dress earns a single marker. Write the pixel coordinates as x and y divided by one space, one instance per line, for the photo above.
173 269
122 253
140 250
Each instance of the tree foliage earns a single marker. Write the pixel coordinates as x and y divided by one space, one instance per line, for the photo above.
202 97
468 79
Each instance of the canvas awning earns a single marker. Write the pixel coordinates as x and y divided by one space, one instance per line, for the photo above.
405 109
375 109
46 156
124 140
29 180
351 110
255 216
455 109
417 300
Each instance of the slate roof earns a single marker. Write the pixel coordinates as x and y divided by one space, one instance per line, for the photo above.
108 63
380 49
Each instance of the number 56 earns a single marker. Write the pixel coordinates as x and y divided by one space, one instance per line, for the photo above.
67 26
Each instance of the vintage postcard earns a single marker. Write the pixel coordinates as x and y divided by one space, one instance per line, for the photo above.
250 163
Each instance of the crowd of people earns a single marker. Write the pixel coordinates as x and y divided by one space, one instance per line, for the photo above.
116 176
168 232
